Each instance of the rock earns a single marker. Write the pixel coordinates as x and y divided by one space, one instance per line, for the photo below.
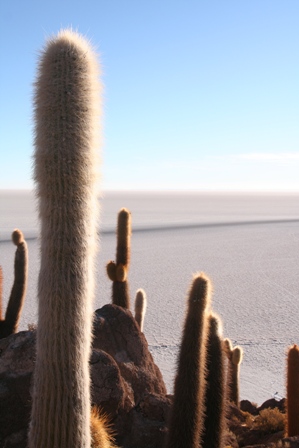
253 437
147 426
247 406
272 403
125 382
17 353
117 333
109 390
156 407
234 414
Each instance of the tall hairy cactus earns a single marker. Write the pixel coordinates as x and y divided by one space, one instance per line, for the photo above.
186 420
293 391
118 271
140 307
10 323
215 387
66 140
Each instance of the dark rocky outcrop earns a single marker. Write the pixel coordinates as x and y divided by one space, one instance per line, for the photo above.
126 383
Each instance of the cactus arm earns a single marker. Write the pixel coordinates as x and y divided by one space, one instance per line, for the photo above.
18 292
228 348
123 237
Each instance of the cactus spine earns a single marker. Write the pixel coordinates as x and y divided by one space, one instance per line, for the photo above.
188 406
293 391
140 307
17 296
215 387
66 122
118 272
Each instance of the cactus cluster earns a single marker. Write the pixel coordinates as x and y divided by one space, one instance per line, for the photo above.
189 389
9 324
66 116
215 399
198 412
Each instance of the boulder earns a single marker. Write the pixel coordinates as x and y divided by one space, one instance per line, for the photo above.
272 403
147 424
247 406
17 353
125 382
117 333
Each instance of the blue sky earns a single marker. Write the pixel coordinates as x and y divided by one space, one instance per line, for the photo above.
199 95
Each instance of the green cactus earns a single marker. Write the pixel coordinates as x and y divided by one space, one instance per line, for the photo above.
215 387
140 307
293 391
67 93
186 419
118 272
9 324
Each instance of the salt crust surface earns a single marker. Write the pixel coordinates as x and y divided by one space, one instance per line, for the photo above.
247 244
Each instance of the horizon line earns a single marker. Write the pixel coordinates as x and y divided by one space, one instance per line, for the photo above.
168 191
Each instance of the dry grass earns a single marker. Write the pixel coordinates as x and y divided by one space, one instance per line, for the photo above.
268 420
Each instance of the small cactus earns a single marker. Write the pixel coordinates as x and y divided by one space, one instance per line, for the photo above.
188 405
101 433
215 387
140 307
234 356
237 356
17 296
118 272
293 391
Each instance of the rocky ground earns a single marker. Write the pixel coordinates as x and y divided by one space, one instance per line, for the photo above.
128 386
